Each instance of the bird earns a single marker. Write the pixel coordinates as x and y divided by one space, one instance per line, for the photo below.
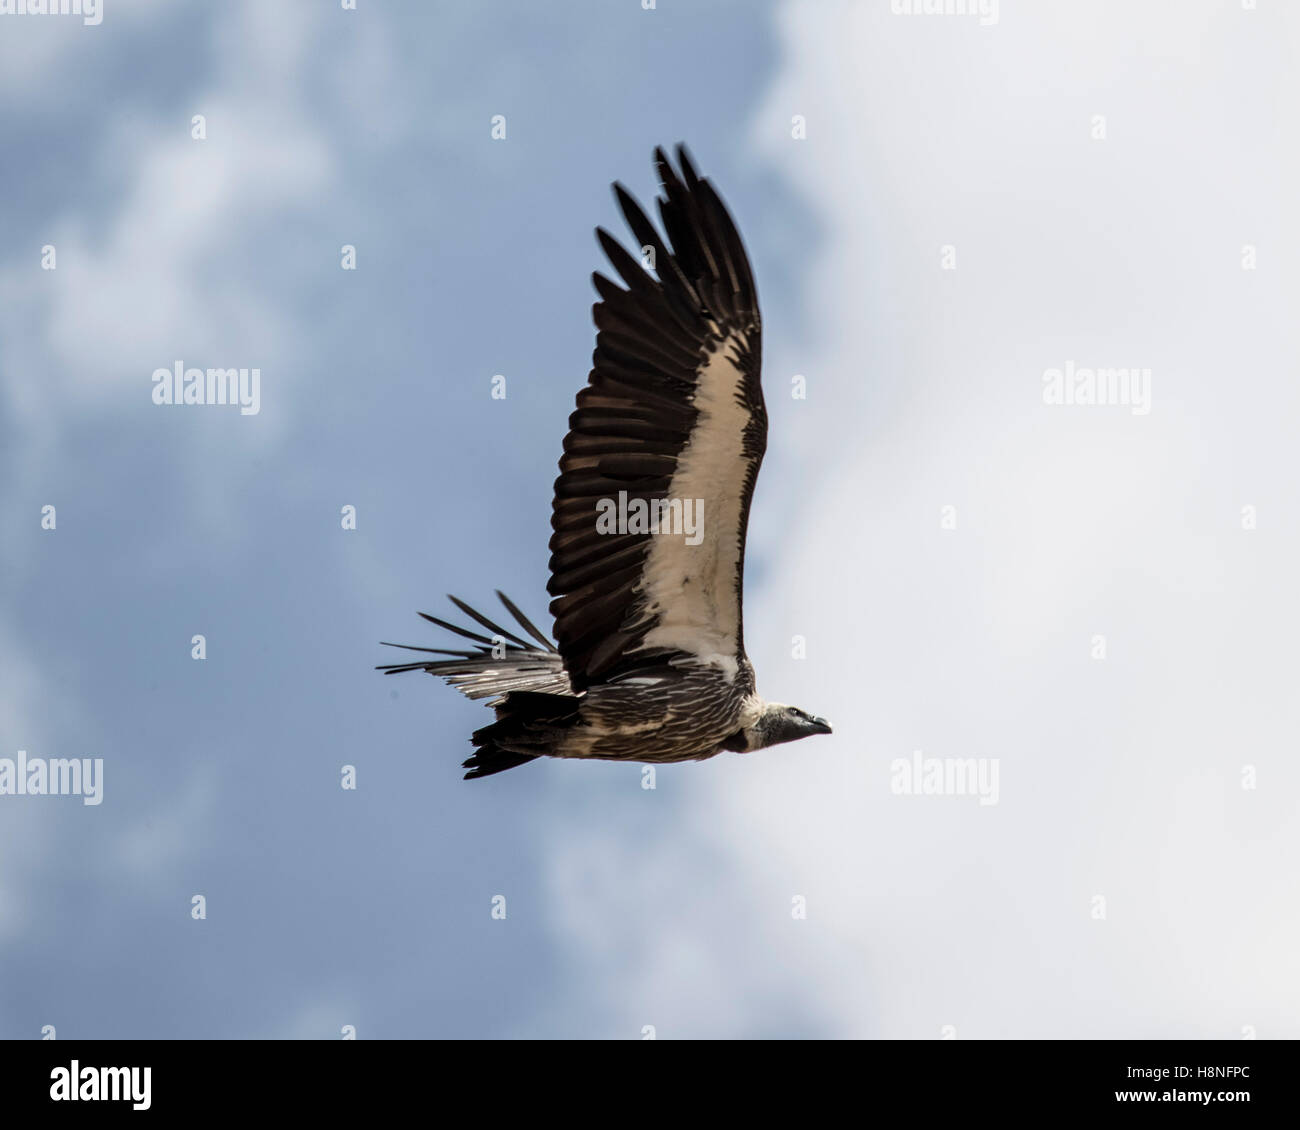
648 520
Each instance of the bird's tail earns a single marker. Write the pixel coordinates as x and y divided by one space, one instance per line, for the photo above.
499 663
529 725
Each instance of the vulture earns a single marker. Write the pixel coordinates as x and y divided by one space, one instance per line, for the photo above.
649 517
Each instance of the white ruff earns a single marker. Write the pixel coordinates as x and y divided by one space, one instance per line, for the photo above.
751 710
691 589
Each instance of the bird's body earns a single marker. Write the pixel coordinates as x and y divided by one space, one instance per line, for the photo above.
670 430
668 725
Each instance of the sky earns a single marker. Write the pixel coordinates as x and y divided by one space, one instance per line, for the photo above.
1091 603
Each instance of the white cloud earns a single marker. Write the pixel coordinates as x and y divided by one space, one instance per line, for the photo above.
34 47
151 284
1120 777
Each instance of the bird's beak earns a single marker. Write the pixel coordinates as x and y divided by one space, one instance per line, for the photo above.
821 726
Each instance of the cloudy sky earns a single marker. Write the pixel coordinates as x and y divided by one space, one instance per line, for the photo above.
1095 601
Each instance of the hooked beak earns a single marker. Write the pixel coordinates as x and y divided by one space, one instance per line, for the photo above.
821 726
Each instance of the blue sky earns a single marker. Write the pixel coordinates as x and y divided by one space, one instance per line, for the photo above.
628 907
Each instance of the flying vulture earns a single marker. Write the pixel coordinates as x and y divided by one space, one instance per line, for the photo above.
649 517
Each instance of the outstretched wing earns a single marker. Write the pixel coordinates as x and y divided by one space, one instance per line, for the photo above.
672 413
496 666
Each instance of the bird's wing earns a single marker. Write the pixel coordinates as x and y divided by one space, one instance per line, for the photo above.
497 665
673 410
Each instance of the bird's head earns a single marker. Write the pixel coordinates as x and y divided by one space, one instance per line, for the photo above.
780 723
